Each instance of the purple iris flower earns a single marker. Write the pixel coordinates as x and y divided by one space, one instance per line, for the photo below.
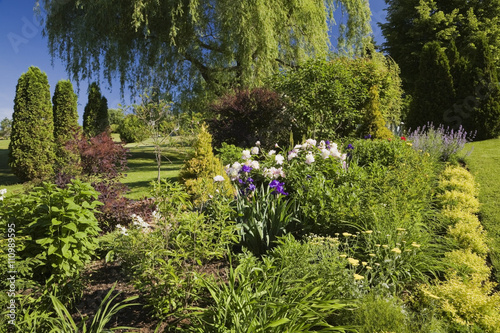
278 187
369 136
251 187
327 144
250 180
350 146
246 168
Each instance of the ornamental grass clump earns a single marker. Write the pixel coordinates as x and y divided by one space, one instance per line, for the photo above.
440 142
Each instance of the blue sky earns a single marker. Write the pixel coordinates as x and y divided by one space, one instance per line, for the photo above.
22 45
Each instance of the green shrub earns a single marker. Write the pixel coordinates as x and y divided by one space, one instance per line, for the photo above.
376 314
199 171
470 235
466 202
373 121
60 226
131 129
65 124
468 264
228 153
466 297
458 179
466 302
326 97
31 147
95 115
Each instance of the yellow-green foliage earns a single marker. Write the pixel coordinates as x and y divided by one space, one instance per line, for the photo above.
198 173
466 301
468 264
457 173
374 123
458 179
469 234
466 296
458 200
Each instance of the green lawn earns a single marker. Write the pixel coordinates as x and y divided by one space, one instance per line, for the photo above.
141 163
484 163
7 179
143 168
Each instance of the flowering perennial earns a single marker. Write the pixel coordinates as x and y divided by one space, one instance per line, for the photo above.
274 165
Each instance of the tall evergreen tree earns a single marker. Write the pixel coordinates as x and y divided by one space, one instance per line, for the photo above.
31 149
486 114
66 125
434 93
461 27
95 115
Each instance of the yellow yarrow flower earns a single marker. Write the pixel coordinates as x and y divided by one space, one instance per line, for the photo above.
353 261
358 277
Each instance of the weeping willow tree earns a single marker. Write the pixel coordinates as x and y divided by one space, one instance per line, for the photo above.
196 45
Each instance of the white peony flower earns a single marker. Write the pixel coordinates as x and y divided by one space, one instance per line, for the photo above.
245 154
309 158
310 143
236 166
271 152
292 154
255 165
325 153
218 178
254 150
279 159
257 143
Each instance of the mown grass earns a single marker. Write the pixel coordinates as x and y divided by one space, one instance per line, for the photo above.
141 163
7 178
143 168
484 163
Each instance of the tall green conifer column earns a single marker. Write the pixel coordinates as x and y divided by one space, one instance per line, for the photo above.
31 149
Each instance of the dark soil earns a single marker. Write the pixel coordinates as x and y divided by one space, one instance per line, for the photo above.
100 277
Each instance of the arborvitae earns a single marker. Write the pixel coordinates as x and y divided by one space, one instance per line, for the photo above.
66 125
198 172
31 149
486 114
95 115
374 123
434 94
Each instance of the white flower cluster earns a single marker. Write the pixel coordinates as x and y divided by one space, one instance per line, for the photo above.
326 151
122 229
2 193
138 221
274 173
233 170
